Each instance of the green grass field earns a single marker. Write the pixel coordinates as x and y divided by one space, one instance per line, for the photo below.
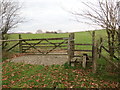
65 76
80 37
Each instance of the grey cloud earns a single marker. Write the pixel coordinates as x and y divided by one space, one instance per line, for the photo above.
49 15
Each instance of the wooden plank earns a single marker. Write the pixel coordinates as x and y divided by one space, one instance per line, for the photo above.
13 46
36 53
35 39
109 52
10 40
60 49
42 43
82 44
105 49
33 53
44 46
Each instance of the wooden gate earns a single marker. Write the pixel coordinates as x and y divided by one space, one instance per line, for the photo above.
49 45
42 46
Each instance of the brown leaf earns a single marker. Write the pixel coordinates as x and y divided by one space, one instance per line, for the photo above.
44 85
12 74
12 82
71 86
4 79
37 80
4 86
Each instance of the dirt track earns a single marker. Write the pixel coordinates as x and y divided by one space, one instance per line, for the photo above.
41 59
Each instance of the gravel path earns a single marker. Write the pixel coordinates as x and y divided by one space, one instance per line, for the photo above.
41 59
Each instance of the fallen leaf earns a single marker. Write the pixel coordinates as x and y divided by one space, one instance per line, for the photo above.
4 86
12 74
37 80
12 82
71 86
4 79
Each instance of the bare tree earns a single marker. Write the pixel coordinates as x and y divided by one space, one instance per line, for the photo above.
103 14
9 15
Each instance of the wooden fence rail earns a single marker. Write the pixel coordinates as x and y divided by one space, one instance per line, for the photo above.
44 43
13 46
103 47
34 39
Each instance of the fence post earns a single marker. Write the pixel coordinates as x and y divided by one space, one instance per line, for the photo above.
94 53
84 61
20 44
70 47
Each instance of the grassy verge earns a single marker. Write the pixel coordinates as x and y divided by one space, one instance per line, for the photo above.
55 76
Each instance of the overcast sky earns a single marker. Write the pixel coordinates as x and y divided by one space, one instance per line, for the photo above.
51 15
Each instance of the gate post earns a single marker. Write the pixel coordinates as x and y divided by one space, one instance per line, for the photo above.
94 53
20 44
70 47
